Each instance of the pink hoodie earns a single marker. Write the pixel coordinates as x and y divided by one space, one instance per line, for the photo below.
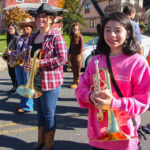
132 75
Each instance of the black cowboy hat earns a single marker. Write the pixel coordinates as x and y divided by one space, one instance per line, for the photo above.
46 8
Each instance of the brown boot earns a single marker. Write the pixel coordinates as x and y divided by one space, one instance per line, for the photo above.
41 135
49 140
74 85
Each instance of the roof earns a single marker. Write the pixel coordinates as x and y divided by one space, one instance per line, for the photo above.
33 7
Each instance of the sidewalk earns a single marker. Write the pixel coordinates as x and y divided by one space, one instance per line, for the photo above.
3 64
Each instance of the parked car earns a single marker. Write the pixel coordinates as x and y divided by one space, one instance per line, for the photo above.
90 46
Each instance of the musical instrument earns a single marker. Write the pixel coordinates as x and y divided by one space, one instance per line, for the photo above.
113 131
6 54
29 90
18 60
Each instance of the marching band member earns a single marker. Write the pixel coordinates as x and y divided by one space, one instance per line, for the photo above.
12 33
27 25
132 75
50 75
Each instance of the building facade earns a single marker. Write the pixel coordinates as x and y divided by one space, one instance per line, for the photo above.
10 3
93 15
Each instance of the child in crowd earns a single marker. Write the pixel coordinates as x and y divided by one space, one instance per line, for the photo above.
132 75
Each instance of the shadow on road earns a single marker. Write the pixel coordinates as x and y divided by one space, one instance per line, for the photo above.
18 144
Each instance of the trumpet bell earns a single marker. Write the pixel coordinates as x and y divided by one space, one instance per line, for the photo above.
25 91
110 136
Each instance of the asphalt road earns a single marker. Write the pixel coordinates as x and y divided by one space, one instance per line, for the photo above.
19 132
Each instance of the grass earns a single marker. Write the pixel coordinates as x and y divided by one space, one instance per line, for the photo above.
3 44
66 37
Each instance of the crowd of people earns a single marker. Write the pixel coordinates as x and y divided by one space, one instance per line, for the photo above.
123 97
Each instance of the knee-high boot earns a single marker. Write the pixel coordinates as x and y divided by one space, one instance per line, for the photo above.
49 140
41 136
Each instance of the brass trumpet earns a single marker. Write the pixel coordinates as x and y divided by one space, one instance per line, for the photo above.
113 132
29 90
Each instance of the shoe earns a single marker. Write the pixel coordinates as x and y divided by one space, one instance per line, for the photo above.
13 90
146 129
22 111
73 86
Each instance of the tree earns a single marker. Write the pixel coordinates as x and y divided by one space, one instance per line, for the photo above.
60 3
72 15
15 15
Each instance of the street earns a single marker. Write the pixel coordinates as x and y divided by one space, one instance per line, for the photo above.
19 131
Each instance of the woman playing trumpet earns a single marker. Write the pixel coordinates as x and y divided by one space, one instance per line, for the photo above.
50 74
132 76
27 25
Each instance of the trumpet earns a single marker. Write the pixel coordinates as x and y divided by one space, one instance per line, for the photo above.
113 131
29 90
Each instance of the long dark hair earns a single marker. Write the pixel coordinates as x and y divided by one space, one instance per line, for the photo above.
9 36
130 46
72 35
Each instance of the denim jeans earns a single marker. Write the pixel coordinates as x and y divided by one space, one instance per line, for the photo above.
46 106
22 78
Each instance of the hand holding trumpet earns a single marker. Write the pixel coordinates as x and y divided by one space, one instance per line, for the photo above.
102 100
28 66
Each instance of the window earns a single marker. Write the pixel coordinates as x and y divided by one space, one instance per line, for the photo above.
44 1
92 23
137 2
87 8
127 1
19 0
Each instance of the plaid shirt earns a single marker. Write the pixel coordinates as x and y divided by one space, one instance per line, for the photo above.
54 56
21 45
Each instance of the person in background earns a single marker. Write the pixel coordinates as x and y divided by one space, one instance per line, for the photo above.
131 72
148 58
12 34
130 11
50 75
75 53
27 25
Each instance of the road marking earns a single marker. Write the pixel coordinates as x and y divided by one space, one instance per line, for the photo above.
17 130
19 123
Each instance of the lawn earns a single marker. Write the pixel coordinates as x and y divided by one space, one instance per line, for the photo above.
66 37
2 43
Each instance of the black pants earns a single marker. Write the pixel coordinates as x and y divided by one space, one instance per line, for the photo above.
95 148
12 75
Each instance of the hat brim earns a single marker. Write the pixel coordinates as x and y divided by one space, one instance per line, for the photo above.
54 14
32 24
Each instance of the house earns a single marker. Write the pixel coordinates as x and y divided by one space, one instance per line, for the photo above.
31 6
94 10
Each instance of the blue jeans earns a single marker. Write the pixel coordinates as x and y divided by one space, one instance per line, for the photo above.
46 106
22 78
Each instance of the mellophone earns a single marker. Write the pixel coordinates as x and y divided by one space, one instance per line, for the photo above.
113 131
29 90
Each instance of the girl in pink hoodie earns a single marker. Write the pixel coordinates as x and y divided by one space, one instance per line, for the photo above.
132 75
